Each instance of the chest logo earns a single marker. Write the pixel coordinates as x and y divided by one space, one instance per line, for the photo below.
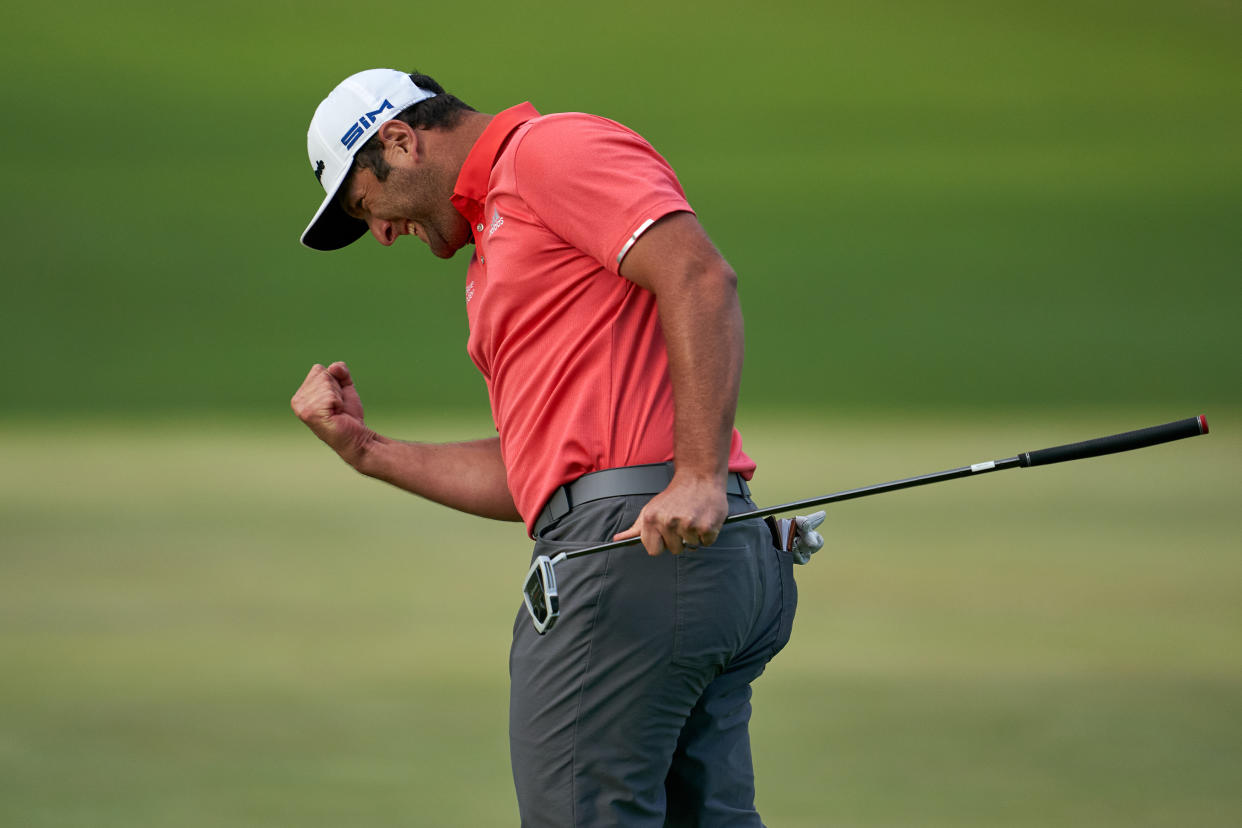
469 292
497 221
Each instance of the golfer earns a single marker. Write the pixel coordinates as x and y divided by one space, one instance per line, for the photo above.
607 328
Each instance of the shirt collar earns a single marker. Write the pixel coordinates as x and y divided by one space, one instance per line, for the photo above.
471 189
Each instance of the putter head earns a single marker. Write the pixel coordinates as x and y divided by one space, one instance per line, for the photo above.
539 592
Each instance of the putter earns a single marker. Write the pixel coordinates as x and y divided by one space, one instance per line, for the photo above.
543 601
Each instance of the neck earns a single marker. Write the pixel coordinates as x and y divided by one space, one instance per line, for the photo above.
457 142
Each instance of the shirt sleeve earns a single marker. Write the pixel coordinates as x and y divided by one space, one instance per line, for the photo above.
595 183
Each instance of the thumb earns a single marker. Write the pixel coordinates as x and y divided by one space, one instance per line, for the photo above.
340 372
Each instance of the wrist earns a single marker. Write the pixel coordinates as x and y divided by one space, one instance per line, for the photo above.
365 454
714 476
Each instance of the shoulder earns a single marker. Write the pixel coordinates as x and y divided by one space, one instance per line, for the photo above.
568 125
566 139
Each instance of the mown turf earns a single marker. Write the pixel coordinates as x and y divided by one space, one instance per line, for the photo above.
208 624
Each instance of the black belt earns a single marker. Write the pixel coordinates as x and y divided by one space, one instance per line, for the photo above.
649 479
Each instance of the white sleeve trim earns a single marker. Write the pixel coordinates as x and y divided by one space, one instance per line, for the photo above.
642 229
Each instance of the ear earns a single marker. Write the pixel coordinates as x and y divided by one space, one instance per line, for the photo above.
399 136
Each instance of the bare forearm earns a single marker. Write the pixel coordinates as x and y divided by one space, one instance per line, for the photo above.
469 477
702 326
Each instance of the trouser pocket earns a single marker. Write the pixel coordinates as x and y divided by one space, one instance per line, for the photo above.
789 599
717 599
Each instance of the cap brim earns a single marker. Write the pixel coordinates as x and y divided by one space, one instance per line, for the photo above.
332 228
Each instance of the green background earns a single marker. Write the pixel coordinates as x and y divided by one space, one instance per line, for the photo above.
963 230
928 203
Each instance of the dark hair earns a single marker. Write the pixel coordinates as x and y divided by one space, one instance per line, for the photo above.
444 111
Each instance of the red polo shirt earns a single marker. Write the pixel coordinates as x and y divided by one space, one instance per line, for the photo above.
572 352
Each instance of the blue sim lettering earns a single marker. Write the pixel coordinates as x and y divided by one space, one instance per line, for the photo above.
359 127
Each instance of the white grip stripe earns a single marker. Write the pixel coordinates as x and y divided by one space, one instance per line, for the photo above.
979 467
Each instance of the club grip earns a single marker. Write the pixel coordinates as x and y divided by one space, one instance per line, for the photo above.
1142 438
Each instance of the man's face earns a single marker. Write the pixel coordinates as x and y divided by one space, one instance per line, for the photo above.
412 200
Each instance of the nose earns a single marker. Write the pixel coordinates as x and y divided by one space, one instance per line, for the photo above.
384 231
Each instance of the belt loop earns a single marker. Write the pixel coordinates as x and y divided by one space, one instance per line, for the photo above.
557 507
741 484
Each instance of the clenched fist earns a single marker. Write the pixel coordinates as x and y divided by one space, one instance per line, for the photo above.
329 405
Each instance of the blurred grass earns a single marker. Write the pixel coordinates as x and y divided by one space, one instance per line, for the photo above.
954 202
215 623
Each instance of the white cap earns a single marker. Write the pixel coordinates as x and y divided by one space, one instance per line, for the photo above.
346 120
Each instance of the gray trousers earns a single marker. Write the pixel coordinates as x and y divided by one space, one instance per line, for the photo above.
634 709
